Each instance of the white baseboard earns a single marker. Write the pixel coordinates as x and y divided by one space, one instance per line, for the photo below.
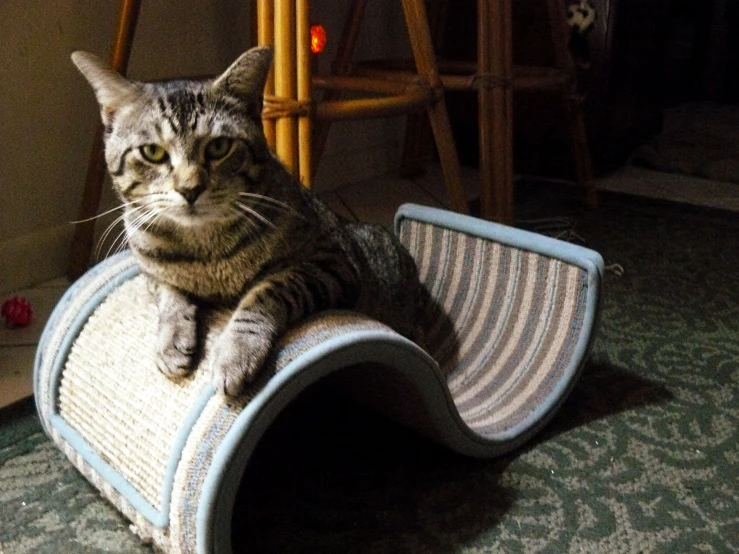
31 259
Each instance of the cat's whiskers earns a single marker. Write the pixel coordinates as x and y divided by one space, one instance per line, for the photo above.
146 219
120 241
144 223
119 207
104 237
112 225
247 211
122 237
253 227
269 200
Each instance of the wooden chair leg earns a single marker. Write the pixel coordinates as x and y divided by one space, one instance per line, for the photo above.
573 102
340 66
84 231
581 150
423 53
418 144
495 103
266 35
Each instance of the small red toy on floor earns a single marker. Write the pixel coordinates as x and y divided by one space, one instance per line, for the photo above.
17 312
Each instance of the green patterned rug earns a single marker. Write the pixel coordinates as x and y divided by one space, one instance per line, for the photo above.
643 456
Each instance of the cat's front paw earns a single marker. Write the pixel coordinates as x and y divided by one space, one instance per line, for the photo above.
237 359
176 346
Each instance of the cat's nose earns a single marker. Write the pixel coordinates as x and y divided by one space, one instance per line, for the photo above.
191 192
191 184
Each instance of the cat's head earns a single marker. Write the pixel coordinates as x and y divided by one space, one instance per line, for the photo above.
183 150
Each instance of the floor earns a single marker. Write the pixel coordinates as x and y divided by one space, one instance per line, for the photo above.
374 201
18 345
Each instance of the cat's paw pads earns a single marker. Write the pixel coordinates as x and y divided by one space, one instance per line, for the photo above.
237 360
176 347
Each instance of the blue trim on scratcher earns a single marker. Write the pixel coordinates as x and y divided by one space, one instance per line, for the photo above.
60 357
57 312
110 475
213 519
157 517
517 238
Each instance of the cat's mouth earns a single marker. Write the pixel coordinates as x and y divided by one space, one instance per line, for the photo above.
196 214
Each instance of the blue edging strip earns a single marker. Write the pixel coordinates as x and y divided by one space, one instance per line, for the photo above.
157 517
231 456
517 238
57 312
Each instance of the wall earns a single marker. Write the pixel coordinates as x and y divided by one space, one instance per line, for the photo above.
48 112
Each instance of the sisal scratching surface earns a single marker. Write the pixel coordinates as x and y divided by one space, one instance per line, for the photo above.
132 416
62 322
113 395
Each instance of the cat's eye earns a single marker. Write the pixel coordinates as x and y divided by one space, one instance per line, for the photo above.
218 148
154 153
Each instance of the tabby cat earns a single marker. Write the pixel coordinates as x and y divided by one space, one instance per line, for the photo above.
214 219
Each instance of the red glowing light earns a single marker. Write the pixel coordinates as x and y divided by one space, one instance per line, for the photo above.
317 38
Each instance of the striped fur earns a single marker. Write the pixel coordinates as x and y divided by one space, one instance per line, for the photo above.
213 218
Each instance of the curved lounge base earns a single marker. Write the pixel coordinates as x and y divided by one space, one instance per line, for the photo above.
510 319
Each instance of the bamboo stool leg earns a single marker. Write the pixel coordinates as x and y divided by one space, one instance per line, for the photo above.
84 231
573 102
266 36
304 74
495 101
286 81
423 53
285 25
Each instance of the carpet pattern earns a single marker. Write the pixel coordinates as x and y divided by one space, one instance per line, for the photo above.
643 456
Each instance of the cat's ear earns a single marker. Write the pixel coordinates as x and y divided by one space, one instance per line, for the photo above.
247 76
112 90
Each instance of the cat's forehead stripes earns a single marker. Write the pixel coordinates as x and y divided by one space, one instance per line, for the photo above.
176 115
184 110
181 104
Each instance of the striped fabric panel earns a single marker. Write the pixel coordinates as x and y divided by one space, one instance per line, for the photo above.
501 322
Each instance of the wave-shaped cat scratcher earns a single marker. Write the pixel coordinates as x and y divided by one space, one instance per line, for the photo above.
509 323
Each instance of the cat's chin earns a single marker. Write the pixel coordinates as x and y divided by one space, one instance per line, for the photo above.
195 217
